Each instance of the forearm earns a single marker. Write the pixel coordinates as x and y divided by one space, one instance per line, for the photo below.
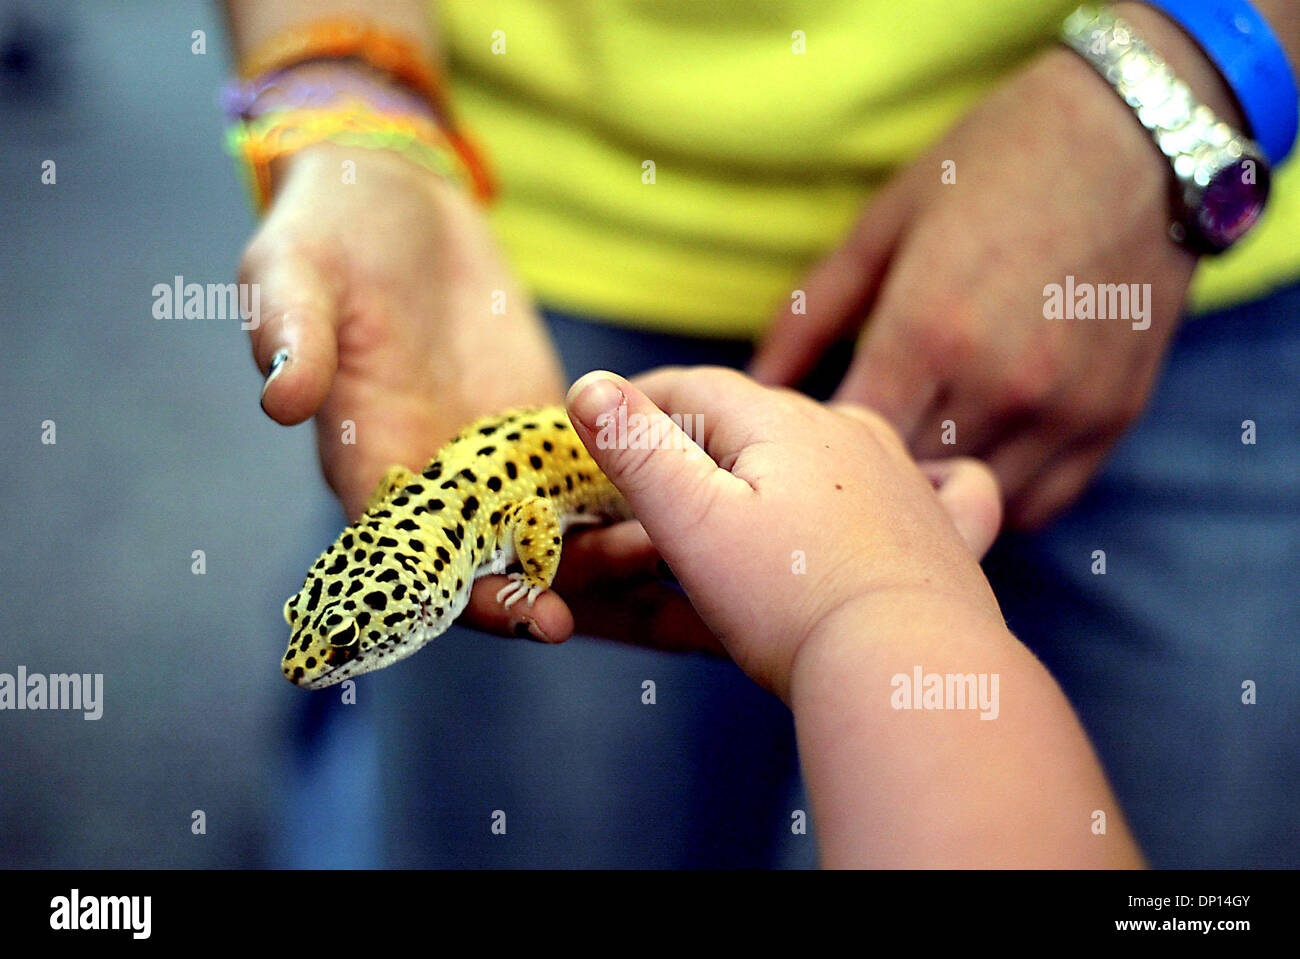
252 22
943 787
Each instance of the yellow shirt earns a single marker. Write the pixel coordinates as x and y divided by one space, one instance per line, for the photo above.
765 126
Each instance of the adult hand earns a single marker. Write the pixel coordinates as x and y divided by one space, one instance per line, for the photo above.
1054 177
382 292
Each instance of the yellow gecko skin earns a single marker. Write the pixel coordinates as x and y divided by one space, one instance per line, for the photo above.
505 489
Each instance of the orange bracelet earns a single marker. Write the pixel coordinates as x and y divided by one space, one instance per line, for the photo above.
278 133
342 37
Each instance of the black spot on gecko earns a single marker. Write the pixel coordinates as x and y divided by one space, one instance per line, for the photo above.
392 619
443 554
388 541
387 576
409 525
347 541
376 600
495 518
514 437
398 591
335 588
450 484
376 557
417 545
494 484
488 430
486 451
313 598
547 445
401 501
433 471
470 508
541 491
535 461
469 475
568 483
415 489
359 555
340 564
511 470
555 490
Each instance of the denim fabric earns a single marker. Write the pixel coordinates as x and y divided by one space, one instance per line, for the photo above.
1201 534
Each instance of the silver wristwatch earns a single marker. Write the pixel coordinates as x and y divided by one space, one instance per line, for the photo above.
1221 176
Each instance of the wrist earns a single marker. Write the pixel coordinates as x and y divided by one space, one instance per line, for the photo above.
876 627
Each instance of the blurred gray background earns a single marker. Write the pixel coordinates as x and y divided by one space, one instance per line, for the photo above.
161 450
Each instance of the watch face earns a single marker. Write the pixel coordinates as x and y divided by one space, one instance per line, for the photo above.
1233 200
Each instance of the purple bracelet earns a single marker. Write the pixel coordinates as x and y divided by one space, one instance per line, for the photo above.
238 99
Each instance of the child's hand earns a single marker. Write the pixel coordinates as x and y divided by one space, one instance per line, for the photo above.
796 512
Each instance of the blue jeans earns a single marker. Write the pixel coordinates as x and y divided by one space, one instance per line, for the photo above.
1202 541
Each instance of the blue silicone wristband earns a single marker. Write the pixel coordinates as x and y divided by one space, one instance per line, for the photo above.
1242 45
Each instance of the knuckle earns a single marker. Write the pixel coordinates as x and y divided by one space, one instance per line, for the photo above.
1028 386
943 335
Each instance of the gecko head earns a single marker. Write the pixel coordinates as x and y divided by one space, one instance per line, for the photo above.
353 615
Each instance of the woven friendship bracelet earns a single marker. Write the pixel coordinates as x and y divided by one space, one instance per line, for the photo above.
276 134
340 113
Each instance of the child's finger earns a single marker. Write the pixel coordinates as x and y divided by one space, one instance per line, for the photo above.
968 492
723 410
669 481
294 342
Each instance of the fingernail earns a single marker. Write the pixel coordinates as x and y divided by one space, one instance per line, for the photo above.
278 360
527 629
592 396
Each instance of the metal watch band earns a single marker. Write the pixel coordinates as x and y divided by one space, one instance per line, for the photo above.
1186 131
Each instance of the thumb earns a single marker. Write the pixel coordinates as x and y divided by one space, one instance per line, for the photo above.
667 479
294 339
968 492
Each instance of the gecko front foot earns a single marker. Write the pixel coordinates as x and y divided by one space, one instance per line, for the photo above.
518 589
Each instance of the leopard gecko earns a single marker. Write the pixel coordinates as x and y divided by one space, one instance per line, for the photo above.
505 489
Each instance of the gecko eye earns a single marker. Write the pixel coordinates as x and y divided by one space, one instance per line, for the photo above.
345 636
290 614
